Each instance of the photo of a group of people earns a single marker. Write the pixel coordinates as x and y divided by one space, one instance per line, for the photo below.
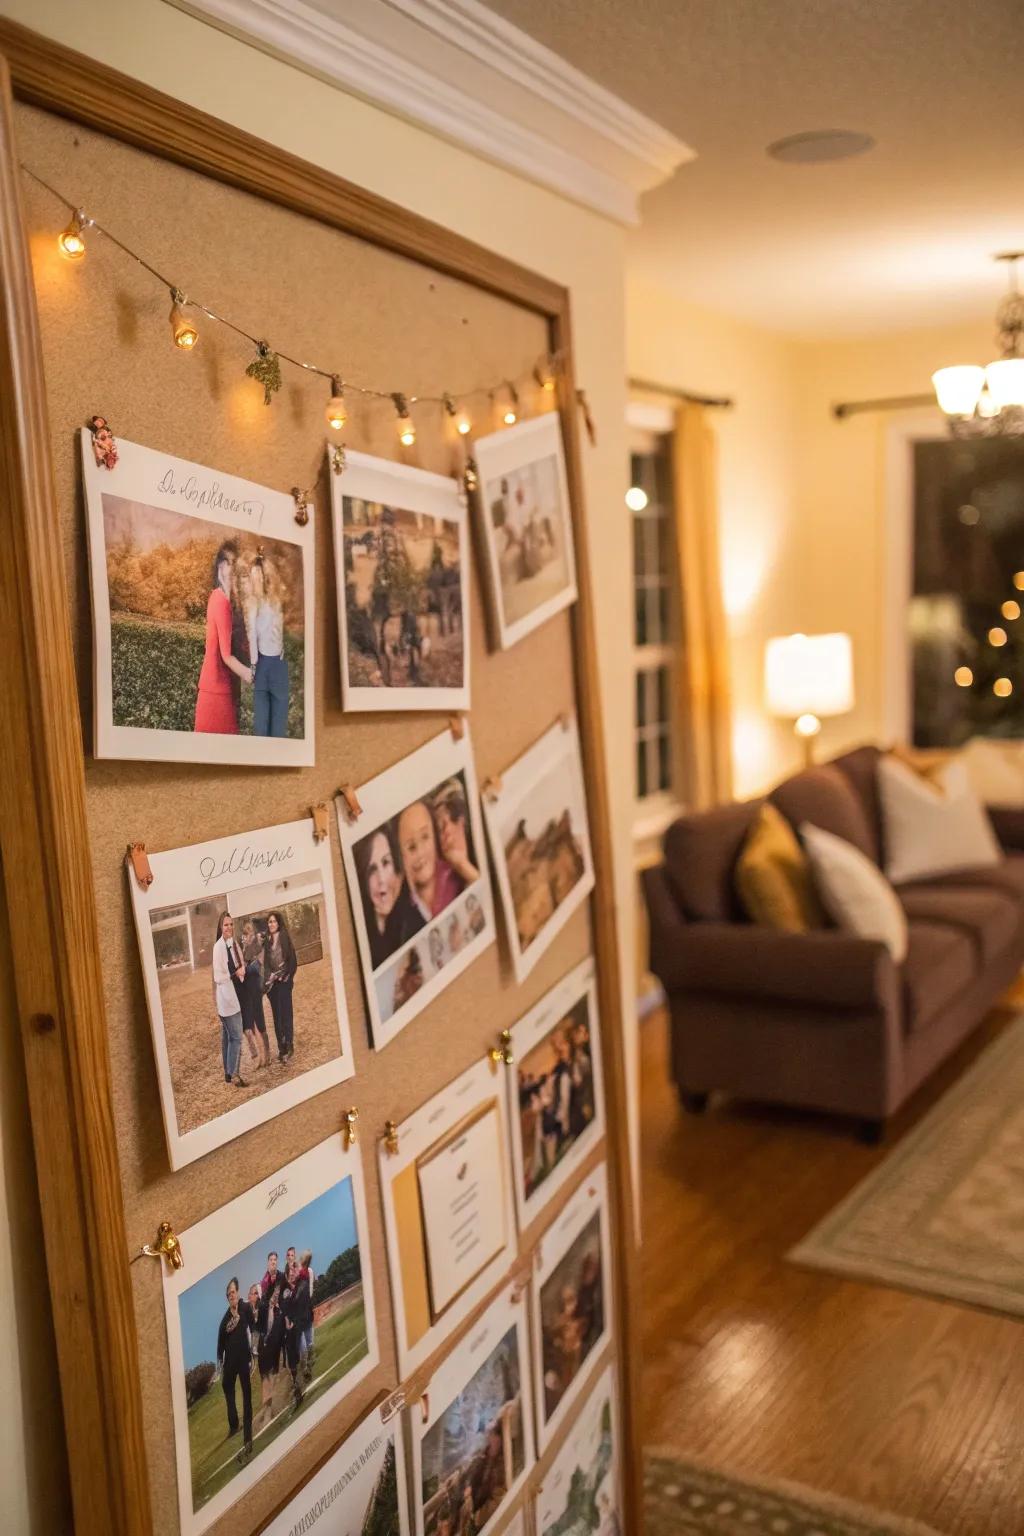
579 1494
418 881
402 587
277 1326
202 605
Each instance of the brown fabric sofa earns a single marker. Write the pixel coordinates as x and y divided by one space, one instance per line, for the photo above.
822 1019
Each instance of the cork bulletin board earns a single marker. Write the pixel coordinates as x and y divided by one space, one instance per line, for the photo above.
393 298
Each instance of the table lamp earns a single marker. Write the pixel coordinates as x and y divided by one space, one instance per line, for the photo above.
806 678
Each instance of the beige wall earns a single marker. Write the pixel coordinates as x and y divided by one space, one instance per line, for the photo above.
167 49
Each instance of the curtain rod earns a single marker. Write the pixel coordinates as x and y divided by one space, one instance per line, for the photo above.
721 402
890 403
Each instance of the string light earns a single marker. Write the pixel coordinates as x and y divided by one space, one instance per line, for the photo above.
511 415
997 635
545 376
336 412
70 241
1018 580
463 425
406 429
1002 687
185 333
1010 609
963 677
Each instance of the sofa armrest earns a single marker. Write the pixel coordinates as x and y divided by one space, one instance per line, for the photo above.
827 968
1008 824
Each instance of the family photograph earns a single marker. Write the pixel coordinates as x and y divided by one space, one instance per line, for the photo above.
527 524
546 853
557 1100
571 1313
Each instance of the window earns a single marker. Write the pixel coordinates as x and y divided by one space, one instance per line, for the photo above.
655 632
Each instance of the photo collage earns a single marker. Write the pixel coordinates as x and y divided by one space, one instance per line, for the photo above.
204 626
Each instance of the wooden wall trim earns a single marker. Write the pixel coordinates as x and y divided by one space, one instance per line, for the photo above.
54 937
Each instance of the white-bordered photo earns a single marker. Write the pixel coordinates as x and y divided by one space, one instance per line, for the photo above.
580 1493
270 1324
362 1484
473 1444
572 1302
241 960
402 568
537 826
202 600
448 1212
526 518
556 1099
416 866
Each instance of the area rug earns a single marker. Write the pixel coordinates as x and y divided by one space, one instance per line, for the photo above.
681 1499
944 1212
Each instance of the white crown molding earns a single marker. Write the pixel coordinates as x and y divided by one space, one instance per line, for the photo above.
457 69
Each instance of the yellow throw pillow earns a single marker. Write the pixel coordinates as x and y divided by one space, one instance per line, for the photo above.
773 876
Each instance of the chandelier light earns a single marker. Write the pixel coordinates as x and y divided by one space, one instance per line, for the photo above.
990 401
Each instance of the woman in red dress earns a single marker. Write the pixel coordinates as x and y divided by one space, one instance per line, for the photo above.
216 710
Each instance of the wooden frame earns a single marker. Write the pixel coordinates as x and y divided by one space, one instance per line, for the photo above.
43 829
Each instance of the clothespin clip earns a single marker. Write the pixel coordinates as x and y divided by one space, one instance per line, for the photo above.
392 1405
339 458
303 501
104 443
348 1127
492 787
500 1055
391 1138
520 1281
425 1406
470 476
137 857
353 810
588 420
166 1247
457 726
319 813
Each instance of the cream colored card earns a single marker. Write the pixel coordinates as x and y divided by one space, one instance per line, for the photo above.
464 1224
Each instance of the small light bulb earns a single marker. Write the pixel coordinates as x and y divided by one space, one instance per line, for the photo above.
511 412
1018 580
636 498
70 241
407 434
336 413
544 374
807 725
1010 609
996 635
406 430
1002 687
464 425
509 417
184 332
963 677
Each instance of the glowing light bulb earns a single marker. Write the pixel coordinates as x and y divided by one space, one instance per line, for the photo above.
963 677
461 420
544 373
636 498
996 635
336 413
406 434
183 330
511 413
1010 609
70 241
463 425
1018 581
1002 687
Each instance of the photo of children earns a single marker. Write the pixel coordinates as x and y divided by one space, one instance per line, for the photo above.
556 1095
202 622
402 587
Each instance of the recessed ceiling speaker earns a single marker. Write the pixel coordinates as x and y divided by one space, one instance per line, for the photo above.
820 146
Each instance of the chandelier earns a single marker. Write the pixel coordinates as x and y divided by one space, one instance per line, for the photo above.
989 402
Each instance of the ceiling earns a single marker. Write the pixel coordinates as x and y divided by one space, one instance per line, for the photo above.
899 237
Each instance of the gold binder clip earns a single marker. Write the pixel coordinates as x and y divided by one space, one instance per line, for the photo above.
319 813
390 1138
166 1247
339 459
348 1127
492 788
303 501
457 726
501 1054
353 810
138 858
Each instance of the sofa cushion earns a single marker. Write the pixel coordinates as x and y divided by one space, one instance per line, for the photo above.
861 768
1007 875
934 825
700 857
773 876
825 797
941 961
991 918
854 892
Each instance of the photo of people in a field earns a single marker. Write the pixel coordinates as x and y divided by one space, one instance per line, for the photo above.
268 1333
475 1451
247 997
557 1100
403 598
571 1313
206 624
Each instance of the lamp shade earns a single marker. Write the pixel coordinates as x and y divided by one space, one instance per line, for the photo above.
808 674
957 389
1005 381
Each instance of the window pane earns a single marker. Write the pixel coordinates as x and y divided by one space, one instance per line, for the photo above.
664 618
655 633
641 770
663 710
641 617
639 567
664 762
664 546
641 699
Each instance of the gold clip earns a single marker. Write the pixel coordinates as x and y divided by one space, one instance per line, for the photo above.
492 787
501 1054
166 1247
390 1138
470 476
339 459
303 500
139 860
392 1405
520 1281
457 726
348 1127
319 813
353 810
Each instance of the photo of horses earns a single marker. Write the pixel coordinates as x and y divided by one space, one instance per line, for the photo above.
402 593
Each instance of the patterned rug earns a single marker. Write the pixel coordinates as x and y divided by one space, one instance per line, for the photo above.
685 1500
944 1212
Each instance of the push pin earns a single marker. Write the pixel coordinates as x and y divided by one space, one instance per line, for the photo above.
303 501
390 1138
348 1127
166 1247
501 1054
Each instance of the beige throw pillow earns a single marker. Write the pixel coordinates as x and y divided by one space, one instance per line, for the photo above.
773 876
933 828
854 892
995 770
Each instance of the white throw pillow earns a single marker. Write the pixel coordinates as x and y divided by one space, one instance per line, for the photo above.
854 892
932 828
995 770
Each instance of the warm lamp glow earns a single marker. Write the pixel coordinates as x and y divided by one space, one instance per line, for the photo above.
1005 380
1002 687
957 389
807 725
996 635
963 677
636 498
808 675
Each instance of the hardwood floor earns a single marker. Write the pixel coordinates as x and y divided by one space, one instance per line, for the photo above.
910 1404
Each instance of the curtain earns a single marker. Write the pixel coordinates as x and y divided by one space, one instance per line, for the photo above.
705 706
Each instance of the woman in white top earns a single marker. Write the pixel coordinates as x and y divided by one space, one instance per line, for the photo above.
228 976
265 623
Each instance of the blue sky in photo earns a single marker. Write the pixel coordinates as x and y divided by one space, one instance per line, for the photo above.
327 1225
